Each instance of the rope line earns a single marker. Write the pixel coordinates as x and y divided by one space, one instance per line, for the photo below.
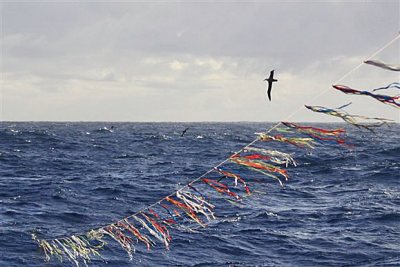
241 150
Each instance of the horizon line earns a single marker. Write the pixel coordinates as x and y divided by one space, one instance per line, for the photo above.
122 121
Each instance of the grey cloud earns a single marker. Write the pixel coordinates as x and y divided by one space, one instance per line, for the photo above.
217 29
78 47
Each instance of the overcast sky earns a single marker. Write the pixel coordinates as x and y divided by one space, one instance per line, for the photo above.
171 61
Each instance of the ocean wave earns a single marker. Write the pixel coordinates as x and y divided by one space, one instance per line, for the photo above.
338 208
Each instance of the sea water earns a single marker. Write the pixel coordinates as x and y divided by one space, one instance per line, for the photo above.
340 206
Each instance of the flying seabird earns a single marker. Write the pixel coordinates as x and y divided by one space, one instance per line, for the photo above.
184 131
270 80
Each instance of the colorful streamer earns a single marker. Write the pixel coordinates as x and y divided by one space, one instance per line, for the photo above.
161 230
116 234
296 141
136 233
236 177
152 229
389 100
383 65
197 204
390 86
351 119
273 156
261 167
221 188
187 209
74 248
335 135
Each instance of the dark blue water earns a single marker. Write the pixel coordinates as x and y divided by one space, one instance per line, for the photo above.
340 207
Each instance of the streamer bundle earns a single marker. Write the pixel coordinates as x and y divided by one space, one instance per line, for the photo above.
296 141
383 65
351 119
335 135
394 85
389 100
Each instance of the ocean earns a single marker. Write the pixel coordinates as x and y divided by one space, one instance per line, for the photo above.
340 206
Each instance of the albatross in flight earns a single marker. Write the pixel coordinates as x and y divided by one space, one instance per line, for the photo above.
184 131
270 80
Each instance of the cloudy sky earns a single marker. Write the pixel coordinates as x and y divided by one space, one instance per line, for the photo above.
176 61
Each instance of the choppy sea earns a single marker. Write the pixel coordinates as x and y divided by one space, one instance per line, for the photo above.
340 206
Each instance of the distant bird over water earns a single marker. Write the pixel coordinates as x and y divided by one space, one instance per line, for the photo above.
270 80
184 131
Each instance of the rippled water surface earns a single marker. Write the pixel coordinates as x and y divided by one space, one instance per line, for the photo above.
341 206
